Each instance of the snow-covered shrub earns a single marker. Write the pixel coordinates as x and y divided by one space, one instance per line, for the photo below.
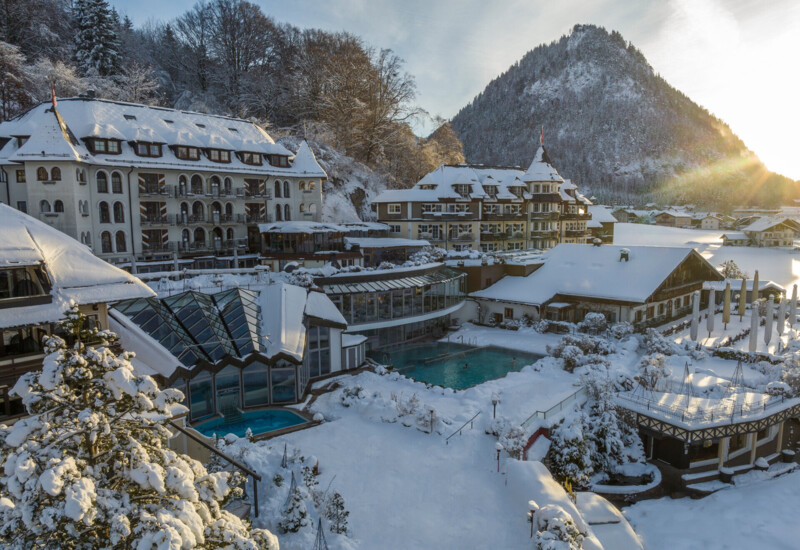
621 330
730 270
791 376
572 356
277 480
779 389
513 440
91 468
336 513
350 394
295 515
311 482
653 369
655 342
427 255
593 323
556 529
570 453
406 407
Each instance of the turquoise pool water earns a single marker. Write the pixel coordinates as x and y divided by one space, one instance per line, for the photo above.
259 422
455 366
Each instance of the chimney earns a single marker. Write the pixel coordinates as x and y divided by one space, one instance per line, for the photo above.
624 254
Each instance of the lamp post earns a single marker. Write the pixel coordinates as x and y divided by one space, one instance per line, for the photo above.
533 508
495 401
499 447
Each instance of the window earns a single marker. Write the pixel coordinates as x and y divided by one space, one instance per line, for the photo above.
287 215
302 208
20 176
119 213
99 146
278 213
278 160
148 149
105 242
55 174
277 190
218 155
394 208
58 206
116 183
286 190
227 186
508 313
41 174
22 206
44 206
105 214
229 233
197 185
187 153
120 241
394 229
102 182
253 159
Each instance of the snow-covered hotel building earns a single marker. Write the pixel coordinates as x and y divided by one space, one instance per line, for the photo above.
149 183
42 274
458 207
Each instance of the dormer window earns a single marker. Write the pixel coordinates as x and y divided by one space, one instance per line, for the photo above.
100 145
144 149
462 189
21 140
278 160
491 190
253 159
427 186
130 117
187 153
218 155
23 282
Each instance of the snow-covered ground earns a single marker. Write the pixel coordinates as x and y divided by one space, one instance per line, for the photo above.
756 515
781 265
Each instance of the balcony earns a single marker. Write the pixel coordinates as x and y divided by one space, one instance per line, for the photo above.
544 215
577 233
156 220
545 197
462 237
190 220
541 233
220 218
449 216
254 194
157 247
213 246
575 216
504 216
146 190
493 237
253 218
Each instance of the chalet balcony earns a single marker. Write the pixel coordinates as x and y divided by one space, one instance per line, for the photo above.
190 220
254 193
545 215
543 233
577 233
462 237
147 190
253 218
515 236
219 218
575 216
545 197
157 220
450 216
504 216
149 248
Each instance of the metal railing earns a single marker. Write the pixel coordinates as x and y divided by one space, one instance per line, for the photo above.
458 431
557 408
727 409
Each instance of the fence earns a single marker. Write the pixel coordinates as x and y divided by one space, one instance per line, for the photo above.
727 409
579 396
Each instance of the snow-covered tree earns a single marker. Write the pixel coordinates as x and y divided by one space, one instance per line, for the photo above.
556 529
336 513
730 270
652 369
90 466
570 451
96 45
593 323
295 515
13 81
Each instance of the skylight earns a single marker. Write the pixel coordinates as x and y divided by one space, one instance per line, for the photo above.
129 117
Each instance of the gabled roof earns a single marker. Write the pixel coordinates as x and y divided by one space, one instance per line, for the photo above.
588 271
541 170
766 223
600 215
77 275
50 142
131 122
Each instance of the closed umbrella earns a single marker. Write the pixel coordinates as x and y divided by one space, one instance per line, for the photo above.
695 315
781 317
710 318
726 305
793 307
753 327
768 324
754 296
742 299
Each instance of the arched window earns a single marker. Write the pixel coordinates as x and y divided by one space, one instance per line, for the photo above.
197 185
199 236
229 234
185 237
119 212
184 212
41 173
182 186
197 211
287 215
311 186
229 210
312 208
278 213
214 181
120 238
217 232
58 206
302 207
116 183
228 186
105 215
102 182
105 242
302 186
286 190
44 206
277 189
55 173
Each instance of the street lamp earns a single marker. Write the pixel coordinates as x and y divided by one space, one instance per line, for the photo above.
499 447
495 401
533 508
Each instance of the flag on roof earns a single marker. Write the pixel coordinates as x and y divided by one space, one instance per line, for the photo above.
53 95
541 136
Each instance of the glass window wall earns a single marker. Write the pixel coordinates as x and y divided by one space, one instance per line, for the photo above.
255 381
283 385
201 395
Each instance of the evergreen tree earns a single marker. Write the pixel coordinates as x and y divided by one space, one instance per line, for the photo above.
96 44
90 467
556 529
570 451
336 513
295 516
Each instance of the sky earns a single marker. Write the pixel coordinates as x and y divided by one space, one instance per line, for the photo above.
736 58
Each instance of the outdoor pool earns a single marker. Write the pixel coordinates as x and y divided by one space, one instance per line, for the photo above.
455 366
259 422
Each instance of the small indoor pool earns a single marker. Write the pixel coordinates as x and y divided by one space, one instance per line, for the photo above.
456 366
259 422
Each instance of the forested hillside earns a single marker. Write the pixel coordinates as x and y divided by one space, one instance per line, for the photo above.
614 126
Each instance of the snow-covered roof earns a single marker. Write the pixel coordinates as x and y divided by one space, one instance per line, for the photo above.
131 122
592 271
77 275
350 340
365 226
301 227
736 285
600 215
385 242
766 223
541 170
50 142
735 236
